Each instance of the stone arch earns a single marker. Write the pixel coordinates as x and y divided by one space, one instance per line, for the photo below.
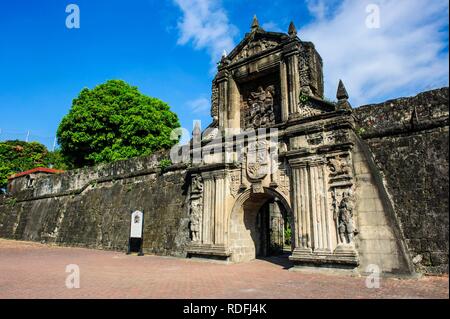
242 217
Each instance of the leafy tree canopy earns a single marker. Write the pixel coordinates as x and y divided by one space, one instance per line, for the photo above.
114 121
19 156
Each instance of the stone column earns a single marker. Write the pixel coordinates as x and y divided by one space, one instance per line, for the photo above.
219 211
293 82
326 209
234 107
301 207
306 212
315 207
320 211
208 209
222 81
284 92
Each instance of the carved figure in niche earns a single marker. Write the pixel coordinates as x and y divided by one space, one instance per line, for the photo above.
345 219
261 107
196 211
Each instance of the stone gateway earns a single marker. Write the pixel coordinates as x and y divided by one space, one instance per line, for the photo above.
280 168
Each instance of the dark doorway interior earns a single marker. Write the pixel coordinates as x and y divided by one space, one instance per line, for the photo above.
273 229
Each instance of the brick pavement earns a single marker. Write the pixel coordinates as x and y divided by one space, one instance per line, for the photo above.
32 270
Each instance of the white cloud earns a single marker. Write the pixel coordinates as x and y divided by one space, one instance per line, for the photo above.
406 55
317 8
272 27
200 105
205 24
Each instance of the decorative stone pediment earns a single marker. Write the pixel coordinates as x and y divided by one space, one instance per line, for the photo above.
255 43
253 48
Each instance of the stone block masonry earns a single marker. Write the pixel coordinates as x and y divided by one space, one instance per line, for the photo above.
409 138
91 208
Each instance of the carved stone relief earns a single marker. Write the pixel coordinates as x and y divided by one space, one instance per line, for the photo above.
195 218
215 102
253 48
310 68
260 108
235 182
283 182
336 137
341 185
306 108
343 215
257 160
315 139
345 219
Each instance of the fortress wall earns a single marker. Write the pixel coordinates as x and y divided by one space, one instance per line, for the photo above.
408 162
409 142
91 207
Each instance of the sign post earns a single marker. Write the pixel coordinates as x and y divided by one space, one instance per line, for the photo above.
136 239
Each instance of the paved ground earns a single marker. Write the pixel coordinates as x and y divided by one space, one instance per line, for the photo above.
31 270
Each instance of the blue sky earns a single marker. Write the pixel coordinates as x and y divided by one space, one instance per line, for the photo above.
168 49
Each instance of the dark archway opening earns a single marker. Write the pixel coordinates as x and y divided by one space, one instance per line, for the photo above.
273 235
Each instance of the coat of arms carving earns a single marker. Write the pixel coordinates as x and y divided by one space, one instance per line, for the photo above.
257 160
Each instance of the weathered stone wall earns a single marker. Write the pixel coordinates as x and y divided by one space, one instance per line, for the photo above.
92 207
409 142
403 160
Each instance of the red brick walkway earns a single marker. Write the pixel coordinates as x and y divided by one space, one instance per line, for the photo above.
31 270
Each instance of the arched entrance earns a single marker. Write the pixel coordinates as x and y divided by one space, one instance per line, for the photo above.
260 225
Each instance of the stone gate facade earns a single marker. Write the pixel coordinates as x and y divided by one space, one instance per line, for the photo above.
280 169
274 138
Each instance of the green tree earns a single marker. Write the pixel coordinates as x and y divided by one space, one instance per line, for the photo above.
114 121
18 156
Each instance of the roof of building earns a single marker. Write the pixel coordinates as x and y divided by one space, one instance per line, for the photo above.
36 170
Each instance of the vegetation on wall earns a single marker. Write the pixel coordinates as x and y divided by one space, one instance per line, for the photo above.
18 156
114 121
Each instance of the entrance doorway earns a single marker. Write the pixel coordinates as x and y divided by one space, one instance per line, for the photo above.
260 226
273 229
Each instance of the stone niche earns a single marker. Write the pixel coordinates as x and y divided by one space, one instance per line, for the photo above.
260 102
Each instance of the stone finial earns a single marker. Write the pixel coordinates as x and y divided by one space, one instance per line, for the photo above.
255 24
292 30
197 132
342 97
341 91
224 54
